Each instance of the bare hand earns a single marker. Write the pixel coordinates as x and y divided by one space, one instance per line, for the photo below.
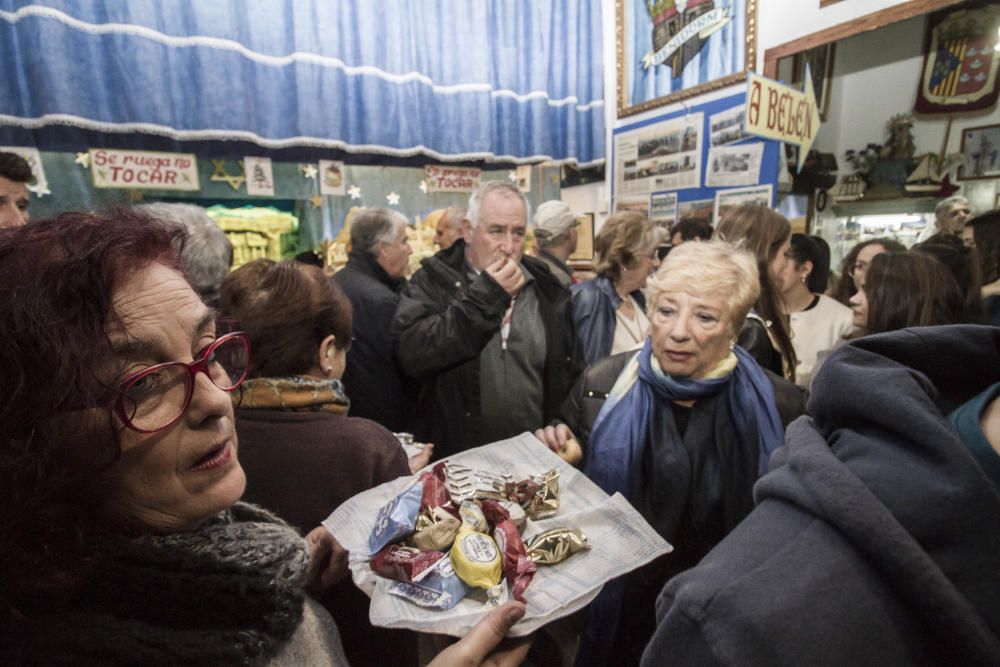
477 647
328 563
508 275
418 461
561 440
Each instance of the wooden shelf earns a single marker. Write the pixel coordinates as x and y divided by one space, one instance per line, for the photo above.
885 206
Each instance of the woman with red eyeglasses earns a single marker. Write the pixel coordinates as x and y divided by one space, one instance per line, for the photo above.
122 536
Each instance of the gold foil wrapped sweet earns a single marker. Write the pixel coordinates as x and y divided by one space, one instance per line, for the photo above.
538 495
435 529
556 545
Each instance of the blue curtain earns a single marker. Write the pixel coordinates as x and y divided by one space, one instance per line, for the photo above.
497 80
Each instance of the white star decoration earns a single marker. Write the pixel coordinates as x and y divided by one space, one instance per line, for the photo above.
83 159
308 170
354 191
423 186
392 198
512 176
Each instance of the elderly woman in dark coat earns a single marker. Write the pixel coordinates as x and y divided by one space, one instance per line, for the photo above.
122 536
609 311
682 428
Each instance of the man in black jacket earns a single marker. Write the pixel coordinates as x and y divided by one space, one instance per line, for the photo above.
488 331
372 279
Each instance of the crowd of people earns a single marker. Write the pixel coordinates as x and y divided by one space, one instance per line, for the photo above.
822 452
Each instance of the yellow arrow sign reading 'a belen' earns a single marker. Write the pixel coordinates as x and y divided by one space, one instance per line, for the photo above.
777 111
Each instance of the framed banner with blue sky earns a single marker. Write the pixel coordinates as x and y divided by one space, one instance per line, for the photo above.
668 50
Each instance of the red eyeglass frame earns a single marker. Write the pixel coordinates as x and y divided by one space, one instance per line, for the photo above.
199 365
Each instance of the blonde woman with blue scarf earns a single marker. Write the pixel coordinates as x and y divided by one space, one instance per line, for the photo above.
683 429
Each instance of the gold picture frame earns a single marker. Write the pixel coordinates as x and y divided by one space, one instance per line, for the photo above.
628 59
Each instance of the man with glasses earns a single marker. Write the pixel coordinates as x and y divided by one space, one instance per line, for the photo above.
487 330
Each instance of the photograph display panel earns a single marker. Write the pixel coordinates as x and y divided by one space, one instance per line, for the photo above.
662 156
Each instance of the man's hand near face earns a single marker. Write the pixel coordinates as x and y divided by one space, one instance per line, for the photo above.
508 275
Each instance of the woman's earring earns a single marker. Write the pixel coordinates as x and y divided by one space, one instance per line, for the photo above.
803 280
732 344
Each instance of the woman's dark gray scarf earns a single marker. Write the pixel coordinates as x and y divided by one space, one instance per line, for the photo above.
228 593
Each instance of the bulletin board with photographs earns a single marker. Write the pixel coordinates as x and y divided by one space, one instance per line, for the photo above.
672 167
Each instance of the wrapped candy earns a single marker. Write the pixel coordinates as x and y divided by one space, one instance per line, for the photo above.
439 589
435 529
494 511
465 483
556 545
518 569
476 560
436 492
538 495
404 563
397 519
472 516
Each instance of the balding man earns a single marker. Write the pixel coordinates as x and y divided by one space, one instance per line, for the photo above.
949 218
487 330
449 227
372 279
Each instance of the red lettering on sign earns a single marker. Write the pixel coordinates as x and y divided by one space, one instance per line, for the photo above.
772 108
753 110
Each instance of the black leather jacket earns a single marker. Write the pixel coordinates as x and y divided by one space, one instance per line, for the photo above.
442 324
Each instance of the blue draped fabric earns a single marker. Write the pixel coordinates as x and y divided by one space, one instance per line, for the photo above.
511 80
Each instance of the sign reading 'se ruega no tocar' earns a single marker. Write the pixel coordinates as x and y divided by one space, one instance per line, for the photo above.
148 170
777 111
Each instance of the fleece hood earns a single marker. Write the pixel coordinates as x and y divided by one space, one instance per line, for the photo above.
876 460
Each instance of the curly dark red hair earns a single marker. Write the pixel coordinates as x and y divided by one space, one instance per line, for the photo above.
57 280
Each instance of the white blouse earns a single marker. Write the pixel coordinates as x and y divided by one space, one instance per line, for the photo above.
818 329
630 334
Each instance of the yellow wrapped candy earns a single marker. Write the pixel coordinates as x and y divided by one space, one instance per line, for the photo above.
476 558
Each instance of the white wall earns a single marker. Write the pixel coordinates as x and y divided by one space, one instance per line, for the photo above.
781 21
875 76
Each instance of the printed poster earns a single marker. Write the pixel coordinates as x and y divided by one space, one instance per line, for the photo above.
734 165
662 156
638 204
39 185
331 178
148 170
260 177
663 208
730 199
698 209
726 127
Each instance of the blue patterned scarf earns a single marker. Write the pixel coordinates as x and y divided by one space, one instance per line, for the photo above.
621 432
